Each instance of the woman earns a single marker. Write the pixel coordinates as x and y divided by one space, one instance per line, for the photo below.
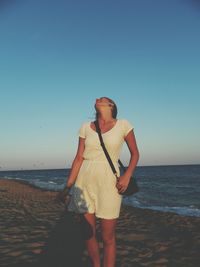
96 192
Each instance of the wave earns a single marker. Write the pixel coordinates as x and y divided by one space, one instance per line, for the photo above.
184 211
49 185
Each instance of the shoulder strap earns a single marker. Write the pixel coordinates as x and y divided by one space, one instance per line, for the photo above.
105 150
121 165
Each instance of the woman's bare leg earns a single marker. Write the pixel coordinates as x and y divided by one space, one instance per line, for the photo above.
90 238
108 235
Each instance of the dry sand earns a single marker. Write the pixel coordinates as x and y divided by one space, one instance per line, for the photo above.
37 231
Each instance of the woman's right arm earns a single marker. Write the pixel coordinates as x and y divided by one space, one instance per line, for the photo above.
77 162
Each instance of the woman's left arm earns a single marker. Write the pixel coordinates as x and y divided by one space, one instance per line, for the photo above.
132 145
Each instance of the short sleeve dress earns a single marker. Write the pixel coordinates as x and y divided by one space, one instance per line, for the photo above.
95 190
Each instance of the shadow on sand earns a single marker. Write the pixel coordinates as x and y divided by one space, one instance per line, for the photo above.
66 242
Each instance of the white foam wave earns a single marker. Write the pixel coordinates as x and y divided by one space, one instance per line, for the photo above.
185 211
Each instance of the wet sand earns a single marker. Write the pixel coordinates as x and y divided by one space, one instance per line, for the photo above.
37 231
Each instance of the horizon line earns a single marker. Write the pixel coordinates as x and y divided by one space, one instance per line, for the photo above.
125 166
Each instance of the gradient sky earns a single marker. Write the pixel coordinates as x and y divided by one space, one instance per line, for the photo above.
57 57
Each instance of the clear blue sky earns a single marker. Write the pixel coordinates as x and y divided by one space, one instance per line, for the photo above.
57 57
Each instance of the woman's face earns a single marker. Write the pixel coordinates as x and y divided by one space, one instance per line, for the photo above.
103 102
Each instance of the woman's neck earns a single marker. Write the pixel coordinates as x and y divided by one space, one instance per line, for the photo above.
105 118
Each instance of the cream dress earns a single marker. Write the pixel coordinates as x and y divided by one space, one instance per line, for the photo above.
95 188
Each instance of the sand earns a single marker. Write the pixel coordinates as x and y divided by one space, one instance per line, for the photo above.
35 230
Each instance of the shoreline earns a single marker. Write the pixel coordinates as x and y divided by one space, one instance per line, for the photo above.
123 204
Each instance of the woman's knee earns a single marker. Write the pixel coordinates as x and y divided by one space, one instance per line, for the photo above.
108 231
108 239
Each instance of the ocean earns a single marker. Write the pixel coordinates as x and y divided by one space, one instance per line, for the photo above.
174 188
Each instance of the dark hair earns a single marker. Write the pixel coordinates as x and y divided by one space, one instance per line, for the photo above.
114 109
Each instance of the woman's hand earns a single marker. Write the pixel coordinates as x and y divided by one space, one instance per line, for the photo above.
122 183
63 195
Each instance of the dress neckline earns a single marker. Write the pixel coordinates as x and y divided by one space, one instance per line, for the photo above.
106 131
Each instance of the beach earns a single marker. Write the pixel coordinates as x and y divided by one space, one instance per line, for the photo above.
35 230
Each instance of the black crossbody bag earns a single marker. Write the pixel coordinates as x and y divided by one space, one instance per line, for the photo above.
132 186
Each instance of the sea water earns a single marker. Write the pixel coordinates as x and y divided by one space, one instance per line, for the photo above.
173 188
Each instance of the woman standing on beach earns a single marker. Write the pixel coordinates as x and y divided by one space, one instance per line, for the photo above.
95 191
